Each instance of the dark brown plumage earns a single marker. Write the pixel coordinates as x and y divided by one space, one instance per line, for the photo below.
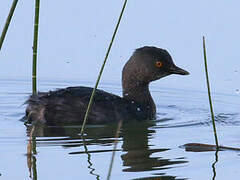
68 106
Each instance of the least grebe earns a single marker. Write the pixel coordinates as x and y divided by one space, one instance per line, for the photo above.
68 106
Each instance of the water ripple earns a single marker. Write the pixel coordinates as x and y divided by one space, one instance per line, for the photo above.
176 116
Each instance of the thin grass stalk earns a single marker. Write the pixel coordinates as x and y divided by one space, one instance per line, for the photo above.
101 71
35 45
209 94
5 28
114 149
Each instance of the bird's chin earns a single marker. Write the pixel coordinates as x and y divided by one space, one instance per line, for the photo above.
162 75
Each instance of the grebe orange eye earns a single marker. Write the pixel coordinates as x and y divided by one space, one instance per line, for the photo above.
158 64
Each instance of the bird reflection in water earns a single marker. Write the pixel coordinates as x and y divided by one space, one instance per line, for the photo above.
137 155
134 137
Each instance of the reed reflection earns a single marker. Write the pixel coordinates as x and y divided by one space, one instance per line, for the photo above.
137 154
31 152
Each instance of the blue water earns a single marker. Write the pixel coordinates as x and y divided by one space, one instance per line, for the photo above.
145 150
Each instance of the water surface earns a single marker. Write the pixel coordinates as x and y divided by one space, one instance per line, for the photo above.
146 150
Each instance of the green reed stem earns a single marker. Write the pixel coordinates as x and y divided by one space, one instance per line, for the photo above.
5 28
101 71
35 45
114 149
209 93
